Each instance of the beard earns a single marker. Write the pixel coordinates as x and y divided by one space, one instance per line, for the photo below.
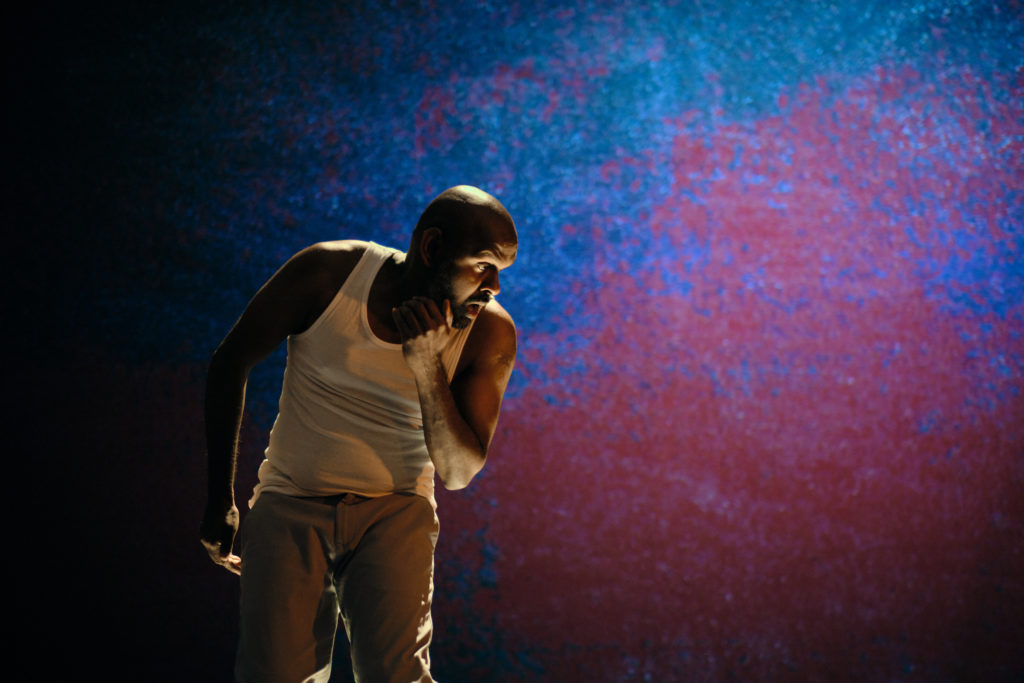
440 289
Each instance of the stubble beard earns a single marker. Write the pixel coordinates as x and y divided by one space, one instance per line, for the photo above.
441 289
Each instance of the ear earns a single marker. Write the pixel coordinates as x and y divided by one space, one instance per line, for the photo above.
430 245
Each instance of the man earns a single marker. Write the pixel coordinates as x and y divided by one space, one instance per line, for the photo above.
397 365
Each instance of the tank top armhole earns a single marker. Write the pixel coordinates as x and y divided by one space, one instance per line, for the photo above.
344 290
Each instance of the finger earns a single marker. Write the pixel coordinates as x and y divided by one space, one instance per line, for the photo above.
419 309
440 314
228 560
426 312
429 304
233 563
408 325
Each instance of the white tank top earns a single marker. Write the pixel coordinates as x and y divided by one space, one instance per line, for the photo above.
349 417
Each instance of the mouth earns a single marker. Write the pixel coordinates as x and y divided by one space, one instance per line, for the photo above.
474 306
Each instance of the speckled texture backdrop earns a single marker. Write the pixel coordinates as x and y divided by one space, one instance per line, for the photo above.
767 421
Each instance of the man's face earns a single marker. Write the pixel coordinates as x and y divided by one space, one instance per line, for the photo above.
470 281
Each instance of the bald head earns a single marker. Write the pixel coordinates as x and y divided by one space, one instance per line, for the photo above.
466 220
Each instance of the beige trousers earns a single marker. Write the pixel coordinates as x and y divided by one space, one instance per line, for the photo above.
305 560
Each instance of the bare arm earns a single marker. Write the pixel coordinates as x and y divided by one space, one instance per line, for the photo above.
458 420
287 304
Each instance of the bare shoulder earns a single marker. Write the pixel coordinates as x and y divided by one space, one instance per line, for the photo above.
493 337
495 316
320 270
333 254
338 247
327 264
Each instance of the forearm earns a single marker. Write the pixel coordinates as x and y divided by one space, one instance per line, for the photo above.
453 446
225 400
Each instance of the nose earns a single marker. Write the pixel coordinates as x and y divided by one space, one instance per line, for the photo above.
491 283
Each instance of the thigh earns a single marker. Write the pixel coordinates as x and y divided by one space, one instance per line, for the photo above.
386 590
289 611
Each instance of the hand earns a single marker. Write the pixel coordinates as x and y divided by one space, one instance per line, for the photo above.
217 534
426 330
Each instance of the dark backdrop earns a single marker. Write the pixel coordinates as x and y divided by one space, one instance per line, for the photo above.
766 422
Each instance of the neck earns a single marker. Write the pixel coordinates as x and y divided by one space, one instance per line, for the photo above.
391 287
410 280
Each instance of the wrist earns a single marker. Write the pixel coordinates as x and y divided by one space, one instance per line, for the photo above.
426 367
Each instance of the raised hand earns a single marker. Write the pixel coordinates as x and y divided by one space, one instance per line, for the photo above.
426 330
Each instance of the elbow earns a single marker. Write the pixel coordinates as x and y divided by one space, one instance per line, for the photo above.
456 483
456 480
452 484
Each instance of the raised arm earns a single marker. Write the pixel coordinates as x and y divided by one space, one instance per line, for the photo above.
458 419
287 304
